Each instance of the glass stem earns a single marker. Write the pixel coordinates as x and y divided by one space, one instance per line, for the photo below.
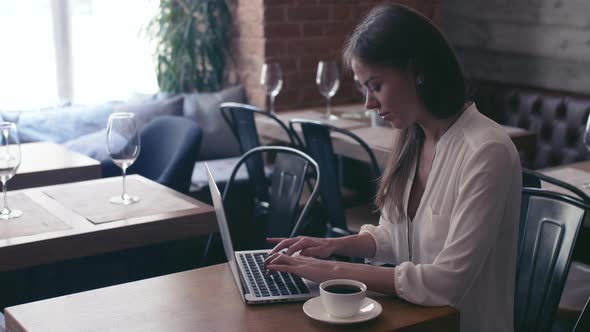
272 104
5 197
328 107
124 195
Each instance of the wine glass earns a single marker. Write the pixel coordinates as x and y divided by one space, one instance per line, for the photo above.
271 77
328 81
123 145
9 162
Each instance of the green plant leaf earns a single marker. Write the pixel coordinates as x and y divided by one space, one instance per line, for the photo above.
192 41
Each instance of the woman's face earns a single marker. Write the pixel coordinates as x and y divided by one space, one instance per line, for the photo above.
392 93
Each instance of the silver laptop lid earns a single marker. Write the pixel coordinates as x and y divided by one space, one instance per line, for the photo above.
224 230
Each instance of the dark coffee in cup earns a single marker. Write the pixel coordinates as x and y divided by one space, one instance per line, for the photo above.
342 297
342 289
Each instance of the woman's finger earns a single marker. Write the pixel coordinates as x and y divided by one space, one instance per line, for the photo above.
283 244
270 258
297 246
281 259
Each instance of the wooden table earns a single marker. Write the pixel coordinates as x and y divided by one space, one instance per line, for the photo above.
85 238
379 139
268 129
555 172
205 299
47 163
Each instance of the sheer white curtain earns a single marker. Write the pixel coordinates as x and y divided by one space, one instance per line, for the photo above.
80 51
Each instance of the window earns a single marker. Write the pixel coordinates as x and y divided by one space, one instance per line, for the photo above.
79 51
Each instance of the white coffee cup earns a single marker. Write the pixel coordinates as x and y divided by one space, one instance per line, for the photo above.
342 297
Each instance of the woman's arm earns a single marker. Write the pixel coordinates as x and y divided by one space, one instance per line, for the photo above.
361 245
378 279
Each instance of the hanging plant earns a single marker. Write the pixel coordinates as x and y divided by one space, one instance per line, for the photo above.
192 40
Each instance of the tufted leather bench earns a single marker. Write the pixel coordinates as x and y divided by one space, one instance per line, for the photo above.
559 119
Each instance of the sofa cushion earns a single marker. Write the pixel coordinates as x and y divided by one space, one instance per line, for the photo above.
218 140
60 124
558 118
220 169
93 145
148 110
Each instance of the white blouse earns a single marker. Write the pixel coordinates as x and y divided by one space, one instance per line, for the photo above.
460 247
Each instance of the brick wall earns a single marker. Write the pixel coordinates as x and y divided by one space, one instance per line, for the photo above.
297 34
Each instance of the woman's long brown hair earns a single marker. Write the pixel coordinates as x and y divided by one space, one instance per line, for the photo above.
399 37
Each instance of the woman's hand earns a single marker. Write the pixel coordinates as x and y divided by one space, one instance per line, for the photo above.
309 268
308 246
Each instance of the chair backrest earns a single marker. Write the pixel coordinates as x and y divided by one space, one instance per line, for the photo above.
530 179
290 170
533 179
318 143
549 229
241 119
169 149
583 323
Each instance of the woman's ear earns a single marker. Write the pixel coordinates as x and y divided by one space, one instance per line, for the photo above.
417 72
419 80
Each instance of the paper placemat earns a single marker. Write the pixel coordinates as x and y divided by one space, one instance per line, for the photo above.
35 219
91 200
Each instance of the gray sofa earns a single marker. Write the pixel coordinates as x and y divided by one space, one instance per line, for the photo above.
83 128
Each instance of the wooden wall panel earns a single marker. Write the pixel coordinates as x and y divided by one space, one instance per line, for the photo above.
543 43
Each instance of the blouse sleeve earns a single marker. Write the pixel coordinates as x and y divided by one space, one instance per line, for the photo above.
381 235
486 181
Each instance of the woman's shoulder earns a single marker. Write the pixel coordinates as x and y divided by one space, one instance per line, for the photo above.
479 132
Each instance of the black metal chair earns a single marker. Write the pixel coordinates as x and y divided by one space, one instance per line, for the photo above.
284 217
318 143
530 179
241 119
583 323
548 232
533 179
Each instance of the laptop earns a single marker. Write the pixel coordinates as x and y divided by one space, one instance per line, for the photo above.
248 270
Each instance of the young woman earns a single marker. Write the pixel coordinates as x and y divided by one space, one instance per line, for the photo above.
449 195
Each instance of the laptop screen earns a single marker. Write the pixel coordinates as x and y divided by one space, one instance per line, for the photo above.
224 229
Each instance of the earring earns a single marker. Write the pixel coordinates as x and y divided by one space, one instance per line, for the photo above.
420 80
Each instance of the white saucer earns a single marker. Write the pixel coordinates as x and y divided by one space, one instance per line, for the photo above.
315 309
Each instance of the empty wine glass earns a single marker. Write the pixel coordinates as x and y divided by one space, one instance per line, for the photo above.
328 81
123 145
9 162
271 77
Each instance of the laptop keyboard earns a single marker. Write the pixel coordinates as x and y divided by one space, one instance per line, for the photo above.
275 284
